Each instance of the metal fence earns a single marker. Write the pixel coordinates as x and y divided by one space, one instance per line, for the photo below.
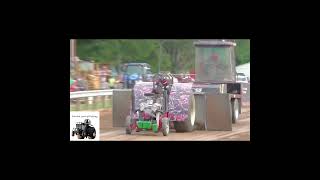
90 100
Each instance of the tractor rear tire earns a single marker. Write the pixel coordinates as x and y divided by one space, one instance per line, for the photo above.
92 133
235 110
128 125
188 124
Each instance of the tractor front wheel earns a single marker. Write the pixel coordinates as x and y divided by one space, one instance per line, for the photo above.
80 136
165 126
128 125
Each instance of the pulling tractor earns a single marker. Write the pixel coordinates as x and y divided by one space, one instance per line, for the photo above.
186 107
153 113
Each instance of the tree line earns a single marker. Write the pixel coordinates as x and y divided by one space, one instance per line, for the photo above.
176 55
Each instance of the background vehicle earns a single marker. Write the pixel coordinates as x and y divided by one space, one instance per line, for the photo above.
135 72
78 85
242 78
73 85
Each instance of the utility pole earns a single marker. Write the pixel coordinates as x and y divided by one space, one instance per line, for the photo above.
160 54
72 48
73 56
159 58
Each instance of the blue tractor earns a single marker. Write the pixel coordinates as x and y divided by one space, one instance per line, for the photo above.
135 72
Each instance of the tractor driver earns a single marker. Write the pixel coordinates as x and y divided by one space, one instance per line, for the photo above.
161 82
87 123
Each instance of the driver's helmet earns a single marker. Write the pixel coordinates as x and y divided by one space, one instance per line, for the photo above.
87 121
164 82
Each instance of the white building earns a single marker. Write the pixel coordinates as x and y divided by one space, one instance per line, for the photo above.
244 68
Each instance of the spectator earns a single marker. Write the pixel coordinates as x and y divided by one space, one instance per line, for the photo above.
111 81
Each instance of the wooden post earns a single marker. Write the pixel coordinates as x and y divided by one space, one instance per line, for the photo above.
73 49
109 100
78 104
94 102
103 101
87 103
73 55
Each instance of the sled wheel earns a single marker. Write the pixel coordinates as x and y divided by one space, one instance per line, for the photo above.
235 110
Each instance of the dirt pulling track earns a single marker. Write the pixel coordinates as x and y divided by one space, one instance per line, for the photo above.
240 132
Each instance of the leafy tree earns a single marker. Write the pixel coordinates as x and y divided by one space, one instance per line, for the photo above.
177 55
242 51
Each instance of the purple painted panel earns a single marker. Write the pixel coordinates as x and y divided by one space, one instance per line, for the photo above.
178 100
